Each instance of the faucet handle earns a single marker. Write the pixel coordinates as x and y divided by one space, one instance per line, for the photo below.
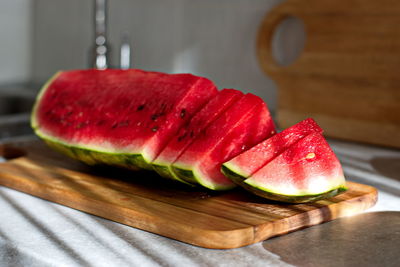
125 52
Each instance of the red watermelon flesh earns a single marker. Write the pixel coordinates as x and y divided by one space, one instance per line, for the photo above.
305 171
218 104
248 162
239 127
118 111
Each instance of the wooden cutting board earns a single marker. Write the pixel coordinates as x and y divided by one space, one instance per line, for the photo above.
347 76
145 201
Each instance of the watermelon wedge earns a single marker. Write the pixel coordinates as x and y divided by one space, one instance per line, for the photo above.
306 171
119 117
248 162
211 111
243 125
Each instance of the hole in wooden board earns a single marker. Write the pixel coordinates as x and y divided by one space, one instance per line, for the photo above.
8 152
288 40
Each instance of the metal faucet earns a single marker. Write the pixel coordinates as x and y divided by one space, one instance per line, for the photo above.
101 49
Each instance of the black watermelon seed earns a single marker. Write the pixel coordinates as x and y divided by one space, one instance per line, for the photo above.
66 115
183 113
156 116
80 125
123 123
101 122
114 125
180 138
154 129
141 107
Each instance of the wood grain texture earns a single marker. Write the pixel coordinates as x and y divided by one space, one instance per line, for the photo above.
145 201
347 77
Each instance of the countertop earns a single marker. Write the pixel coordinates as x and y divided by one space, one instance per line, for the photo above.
35 232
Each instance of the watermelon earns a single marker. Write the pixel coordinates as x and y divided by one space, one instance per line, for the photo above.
248 162
180 125
217 105
306 171
118 117
241 126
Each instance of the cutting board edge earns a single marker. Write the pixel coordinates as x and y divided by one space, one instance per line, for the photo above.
225 239
235 234
357 204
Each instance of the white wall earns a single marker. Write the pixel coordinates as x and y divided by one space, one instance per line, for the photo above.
15 40
213 38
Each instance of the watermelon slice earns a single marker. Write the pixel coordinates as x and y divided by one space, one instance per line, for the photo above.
241 126
248 162
120 117
307 171
223 100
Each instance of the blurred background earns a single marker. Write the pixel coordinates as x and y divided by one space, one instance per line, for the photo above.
216 39
335 62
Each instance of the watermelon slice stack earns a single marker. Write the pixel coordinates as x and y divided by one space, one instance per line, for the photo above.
248 162
296 165
182 127
190 131
243 125
307 171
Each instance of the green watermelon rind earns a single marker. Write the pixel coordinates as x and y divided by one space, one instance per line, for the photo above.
95 157
233 170
184 174
276 196
166 172
86 153
190 176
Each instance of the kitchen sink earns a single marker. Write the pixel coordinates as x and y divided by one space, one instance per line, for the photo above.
16 125
16 103
16 99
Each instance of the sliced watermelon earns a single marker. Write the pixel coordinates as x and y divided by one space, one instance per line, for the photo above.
121 117
241 126
306 171
217 105
248 162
